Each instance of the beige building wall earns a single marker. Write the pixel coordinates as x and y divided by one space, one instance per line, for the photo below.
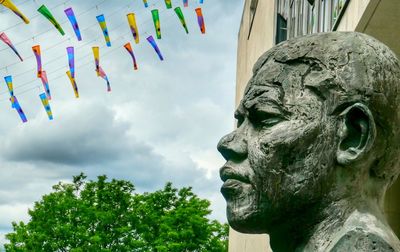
253 44
366 16
352 15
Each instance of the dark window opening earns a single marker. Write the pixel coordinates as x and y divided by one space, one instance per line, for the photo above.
281 29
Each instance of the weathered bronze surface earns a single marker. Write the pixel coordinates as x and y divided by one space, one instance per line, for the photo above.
316 146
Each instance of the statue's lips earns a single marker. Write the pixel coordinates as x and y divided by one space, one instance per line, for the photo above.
227 172
233 181
233 187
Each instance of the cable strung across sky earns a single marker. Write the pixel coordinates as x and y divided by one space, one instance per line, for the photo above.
53 60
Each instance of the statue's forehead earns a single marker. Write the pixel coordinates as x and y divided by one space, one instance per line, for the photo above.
288 87
274 81
295 76
263 94
282 73
269 72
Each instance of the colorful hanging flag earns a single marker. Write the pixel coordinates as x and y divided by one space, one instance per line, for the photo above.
200 20
5 39
133 26
13 99
71 61
104 76
73 83
168 4
47 14
155 47
45 82
128 47
156 20
46 105
178 12
36 51
10 5
100 72
96 55
17 107
185 3
145 3
103 26
9 83
10 87
72 19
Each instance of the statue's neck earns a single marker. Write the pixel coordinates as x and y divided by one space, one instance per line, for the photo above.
312 230
323 232
315 230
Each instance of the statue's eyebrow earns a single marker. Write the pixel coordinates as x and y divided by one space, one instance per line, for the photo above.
240 112
263 92
267 105
258 100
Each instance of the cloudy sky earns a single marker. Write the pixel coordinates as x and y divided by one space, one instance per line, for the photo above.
160 123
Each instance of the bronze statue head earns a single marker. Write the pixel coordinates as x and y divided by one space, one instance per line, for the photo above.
317 138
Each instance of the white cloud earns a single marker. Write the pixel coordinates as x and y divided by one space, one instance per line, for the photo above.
12 212
207 160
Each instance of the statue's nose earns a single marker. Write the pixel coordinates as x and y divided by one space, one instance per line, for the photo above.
233 146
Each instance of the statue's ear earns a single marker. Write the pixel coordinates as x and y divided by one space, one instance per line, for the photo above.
357 132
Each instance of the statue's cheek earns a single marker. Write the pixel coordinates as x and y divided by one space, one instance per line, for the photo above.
286 147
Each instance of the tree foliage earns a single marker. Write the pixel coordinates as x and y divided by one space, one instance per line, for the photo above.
109 216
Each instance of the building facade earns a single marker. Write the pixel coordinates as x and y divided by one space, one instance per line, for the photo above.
268 22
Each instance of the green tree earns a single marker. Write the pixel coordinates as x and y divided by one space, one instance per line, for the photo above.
108 216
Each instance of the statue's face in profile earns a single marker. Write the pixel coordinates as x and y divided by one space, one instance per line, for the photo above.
281 154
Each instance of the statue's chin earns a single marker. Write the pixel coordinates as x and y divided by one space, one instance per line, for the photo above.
247 226
245 211
244 218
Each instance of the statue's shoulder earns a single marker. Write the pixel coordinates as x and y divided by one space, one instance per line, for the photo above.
364 232
360 240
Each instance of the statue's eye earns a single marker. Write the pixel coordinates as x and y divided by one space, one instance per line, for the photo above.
270 121
265 119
